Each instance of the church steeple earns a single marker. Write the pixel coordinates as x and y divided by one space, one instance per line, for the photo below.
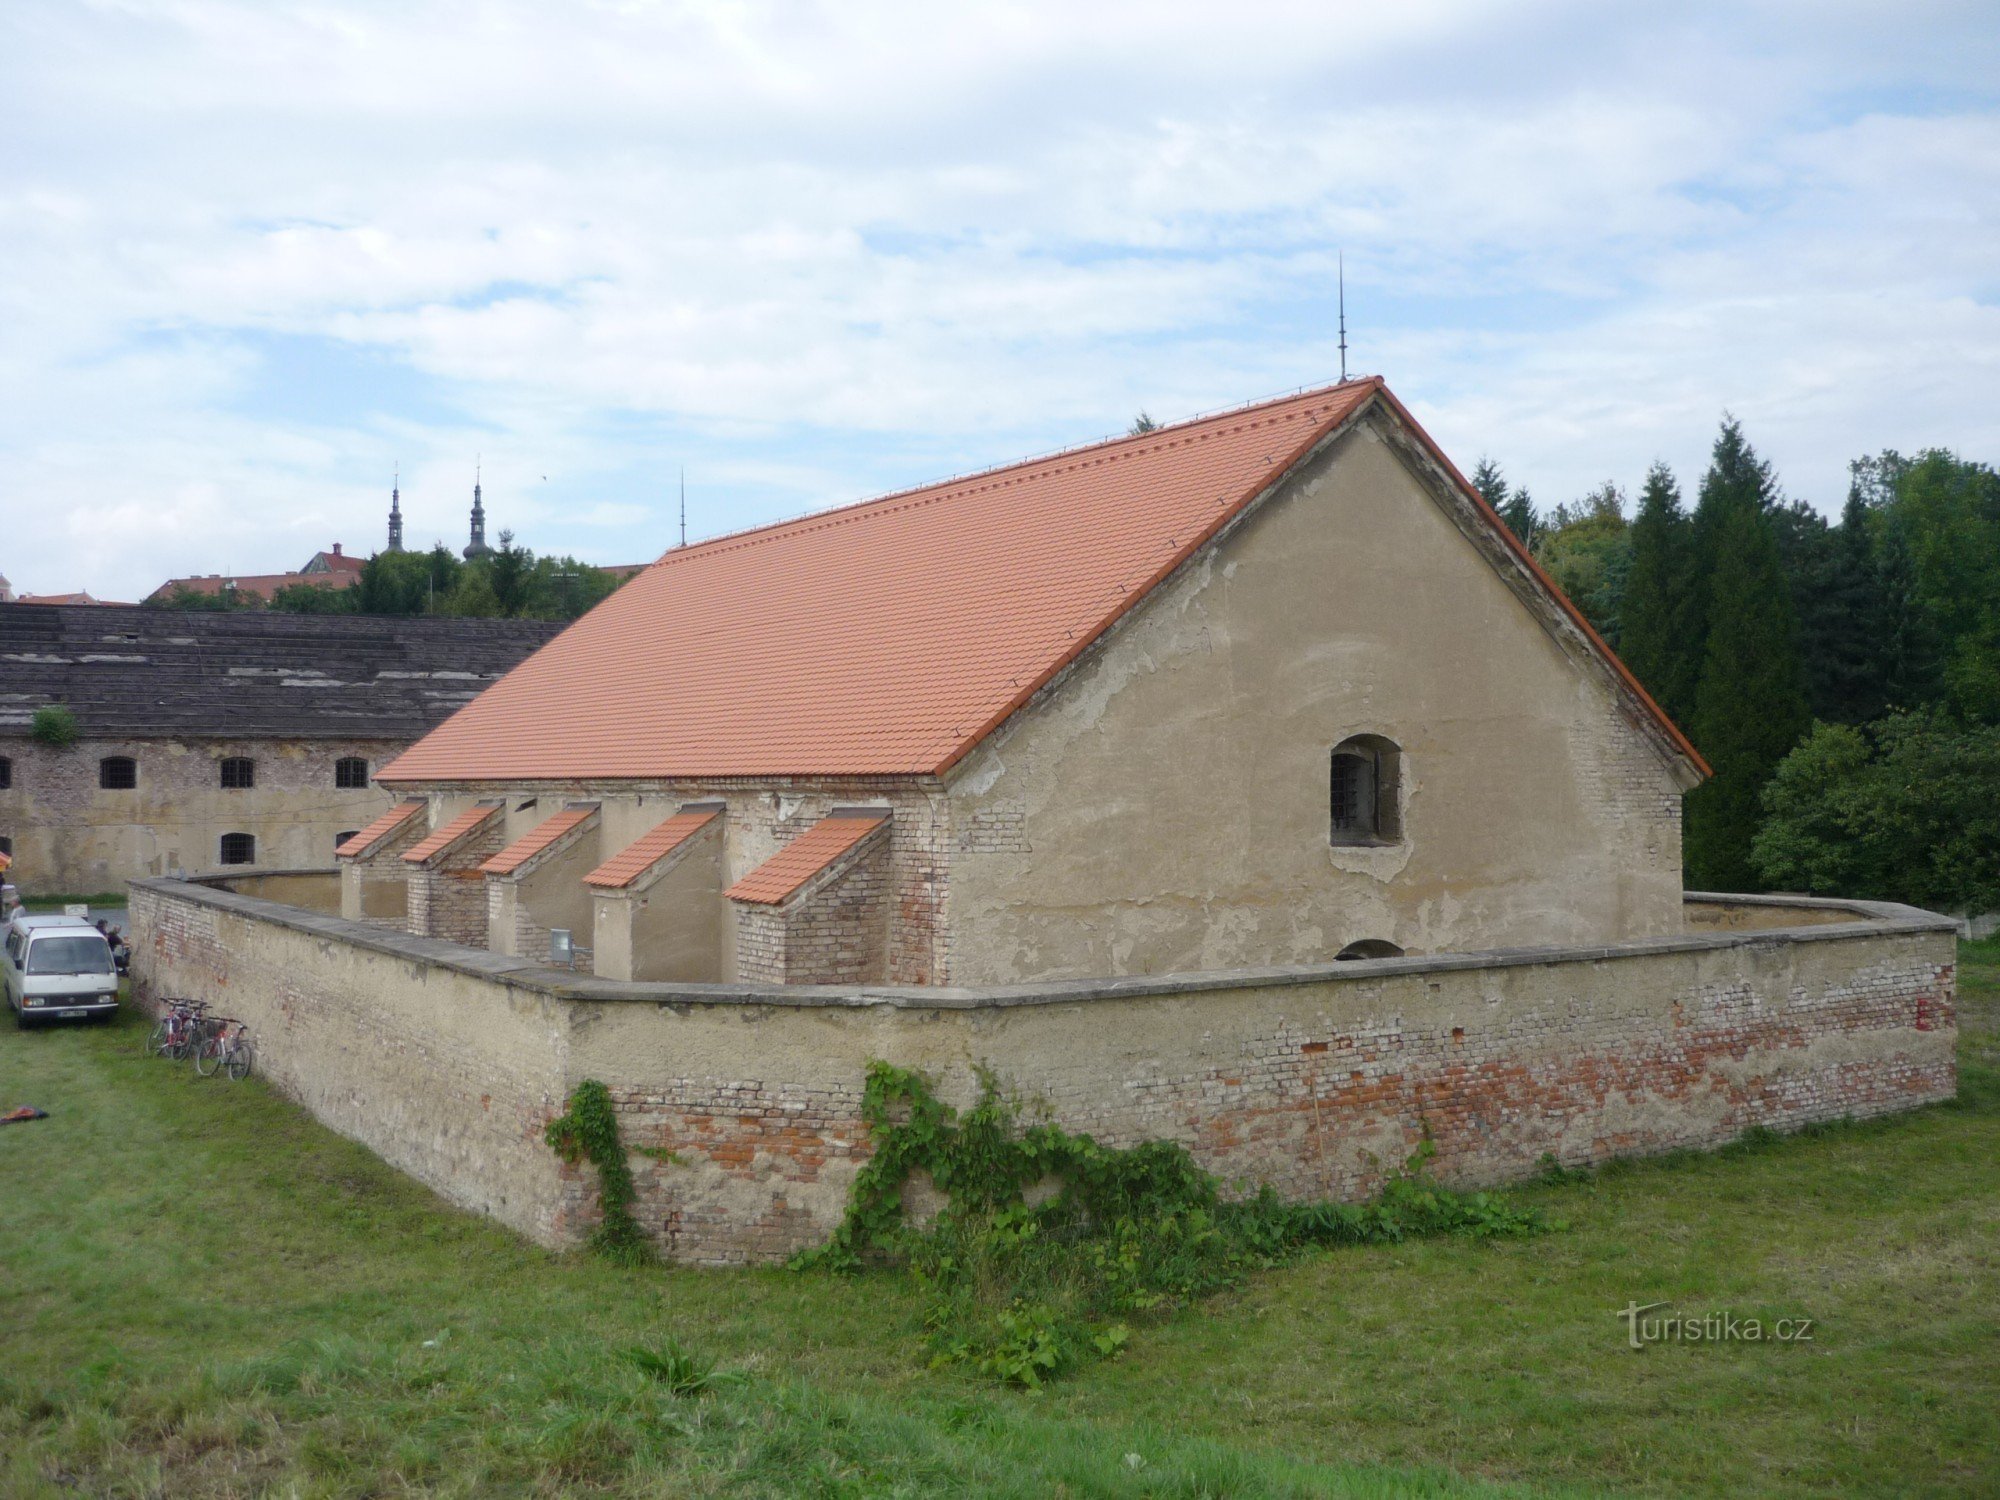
477 546
396 511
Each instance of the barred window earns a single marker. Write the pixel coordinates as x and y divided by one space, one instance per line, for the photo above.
238 849
350 773
238 772
1362 788
118 773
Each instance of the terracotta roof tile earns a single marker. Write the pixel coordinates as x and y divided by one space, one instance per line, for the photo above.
804 857
538 838
451 833
886 638
636 859
378 830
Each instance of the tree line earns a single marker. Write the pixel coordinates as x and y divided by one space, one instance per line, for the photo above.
1842 679
510 582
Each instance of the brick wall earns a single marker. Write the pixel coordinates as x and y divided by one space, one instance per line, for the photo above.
834 931
448 893
761 817
1314 1079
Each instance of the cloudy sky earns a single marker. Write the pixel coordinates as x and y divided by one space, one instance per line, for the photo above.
253 255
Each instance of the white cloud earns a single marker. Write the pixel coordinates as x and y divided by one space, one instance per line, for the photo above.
251 254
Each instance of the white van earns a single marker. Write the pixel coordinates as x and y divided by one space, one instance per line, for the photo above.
58 969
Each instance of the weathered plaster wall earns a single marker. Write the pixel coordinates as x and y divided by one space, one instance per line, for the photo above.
443 1071
1311 1078
1163 808
761 818
670 924
546 892
71 835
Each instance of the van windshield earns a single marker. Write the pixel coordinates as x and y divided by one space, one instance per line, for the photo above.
69 955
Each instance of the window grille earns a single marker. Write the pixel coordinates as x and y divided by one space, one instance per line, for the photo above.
117 773
238 849
238 772
350 773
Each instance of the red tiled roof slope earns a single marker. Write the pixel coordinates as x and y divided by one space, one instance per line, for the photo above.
890 637
804 857
378 830
451 833
536 839
635 859
883 638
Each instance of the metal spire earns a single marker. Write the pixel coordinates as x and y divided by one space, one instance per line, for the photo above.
1343 317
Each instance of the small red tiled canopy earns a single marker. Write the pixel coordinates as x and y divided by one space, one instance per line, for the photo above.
378 830
635 860
804 857
451 833
538 838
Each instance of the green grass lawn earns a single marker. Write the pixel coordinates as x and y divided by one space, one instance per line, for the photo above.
204 1293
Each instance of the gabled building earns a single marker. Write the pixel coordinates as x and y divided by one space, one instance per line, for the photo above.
243 741
1262 688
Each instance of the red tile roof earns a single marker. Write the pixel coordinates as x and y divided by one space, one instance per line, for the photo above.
379 830
538 838
886 638
636 859
804 857
451 833
263 585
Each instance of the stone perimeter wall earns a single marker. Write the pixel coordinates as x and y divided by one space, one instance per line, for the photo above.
1315 1079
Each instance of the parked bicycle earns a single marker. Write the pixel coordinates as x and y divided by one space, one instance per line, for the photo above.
178 1029
224 1044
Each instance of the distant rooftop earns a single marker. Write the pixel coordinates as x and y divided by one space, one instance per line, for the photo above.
133 673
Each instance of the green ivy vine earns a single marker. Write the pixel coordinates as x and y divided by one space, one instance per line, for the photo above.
590 1131
1023 1291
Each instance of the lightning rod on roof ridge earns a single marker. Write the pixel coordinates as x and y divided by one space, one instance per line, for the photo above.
1343 317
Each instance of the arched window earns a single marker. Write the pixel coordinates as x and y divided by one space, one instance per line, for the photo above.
118 773
1362 788
1368 948
238 772
238 849
6 773
350 773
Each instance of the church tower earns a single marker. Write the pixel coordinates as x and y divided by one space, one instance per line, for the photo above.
396 513
477 547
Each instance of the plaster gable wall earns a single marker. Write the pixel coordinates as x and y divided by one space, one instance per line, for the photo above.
1163 806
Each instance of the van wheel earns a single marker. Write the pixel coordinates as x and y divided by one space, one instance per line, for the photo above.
21 1020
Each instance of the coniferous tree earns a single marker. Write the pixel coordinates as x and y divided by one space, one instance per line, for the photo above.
1491 484
1519 514
1806 551
1851 670
1750 705
1664 619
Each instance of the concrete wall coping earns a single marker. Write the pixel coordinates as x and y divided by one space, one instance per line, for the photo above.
1873 919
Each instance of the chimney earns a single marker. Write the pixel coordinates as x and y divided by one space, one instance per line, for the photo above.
336 549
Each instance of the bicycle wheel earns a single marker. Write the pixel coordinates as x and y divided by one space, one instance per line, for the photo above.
239 1060
156 1040
208 1056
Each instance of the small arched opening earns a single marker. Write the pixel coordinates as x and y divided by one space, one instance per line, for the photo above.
1368 948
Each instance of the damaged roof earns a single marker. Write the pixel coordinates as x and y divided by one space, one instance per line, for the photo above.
132 673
